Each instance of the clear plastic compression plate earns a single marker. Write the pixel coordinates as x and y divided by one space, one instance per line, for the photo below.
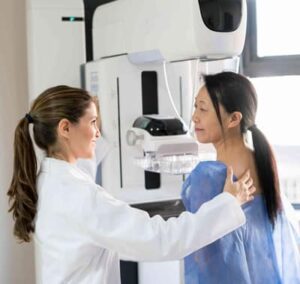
175 164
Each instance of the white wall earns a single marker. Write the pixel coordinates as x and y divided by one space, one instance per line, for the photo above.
16 260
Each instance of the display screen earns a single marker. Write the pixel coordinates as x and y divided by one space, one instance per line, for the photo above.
72 19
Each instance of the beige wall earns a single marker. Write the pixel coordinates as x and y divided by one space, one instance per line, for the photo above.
16 260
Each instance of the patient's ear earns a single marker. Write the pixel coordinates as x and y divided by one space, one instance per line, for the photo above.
235 119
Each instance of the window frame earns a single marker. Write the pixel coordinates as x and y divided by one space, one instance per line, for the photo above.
254 66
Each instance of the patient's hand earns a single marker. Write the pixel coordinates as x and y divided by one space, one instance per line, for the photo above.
242 189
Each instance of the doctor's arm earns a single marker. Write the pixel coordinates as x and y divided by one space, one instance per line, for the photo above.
136 236
115 225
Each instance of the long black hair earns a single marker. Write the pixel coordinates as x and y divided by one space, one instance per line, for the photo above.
236 93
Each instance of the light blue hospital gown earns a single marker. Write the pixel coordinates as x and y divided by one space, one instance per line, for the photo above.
252 254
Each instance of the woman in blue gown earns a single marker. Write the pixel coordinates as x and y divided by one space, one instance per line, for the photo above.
264 250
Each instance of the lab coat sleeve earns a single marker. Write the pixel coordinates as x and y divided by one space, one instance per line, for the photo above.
115 225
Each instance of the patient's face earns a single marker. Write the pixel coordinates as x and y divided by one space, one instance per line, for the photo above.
207 126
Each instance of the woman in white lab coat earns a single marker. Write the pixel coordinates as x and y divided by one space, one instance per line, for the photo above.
80 231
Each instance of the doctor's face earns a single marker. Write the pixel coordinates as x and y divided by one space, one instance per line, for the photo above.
207 126
84 134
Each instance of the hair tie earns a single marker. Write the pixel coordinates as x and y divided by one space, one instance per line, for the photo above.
252 127
29 118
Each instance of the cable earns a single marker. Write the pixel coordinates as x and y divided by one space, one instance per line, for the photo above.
169 92
194 94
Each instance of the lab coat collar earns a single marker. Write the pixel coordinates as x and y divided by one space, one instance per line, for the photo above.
59 167
52 164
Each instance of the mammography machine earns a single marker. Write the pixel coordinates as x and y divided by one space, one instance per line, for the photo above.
147 67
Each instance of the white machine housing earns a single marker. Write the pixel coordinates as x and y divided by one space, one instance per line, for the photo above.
173 29
117 83
56 43
155 144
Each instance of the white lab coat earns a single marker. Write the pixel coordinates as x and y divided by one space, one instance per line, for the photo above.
81 231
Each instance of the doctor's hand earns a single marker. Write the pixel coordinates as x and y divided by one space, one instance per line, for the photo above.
242 189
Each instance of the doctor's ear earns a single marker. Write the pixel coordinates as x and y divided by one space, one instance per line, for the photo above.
235 119
63 128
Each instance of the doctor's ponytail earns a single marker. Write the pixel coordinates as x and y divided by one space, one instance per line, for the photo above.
48 109
22 192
